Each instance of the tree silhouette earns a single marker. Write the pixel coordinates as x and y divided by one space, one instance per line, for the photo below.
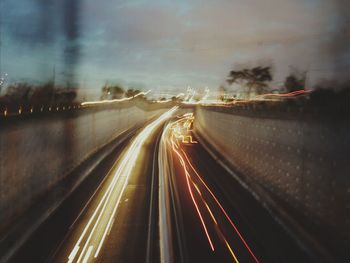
113 92
222 93
255 79
294 83
131 92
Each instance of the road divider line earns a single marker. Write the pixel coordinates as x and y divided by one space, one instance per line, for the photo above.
231 251
88 254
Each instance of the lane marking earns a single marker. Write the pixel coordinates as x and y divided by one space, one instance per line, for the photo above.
88 254
231 251
72 255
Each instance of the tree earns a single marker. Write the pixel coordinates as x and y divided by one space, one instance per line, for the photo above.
64 95
19 93
294 83
131 93
44 94
112 92
117 92
254 79
222 93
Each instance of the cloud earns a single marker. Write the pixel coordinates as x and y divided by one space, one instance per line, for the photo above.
197 42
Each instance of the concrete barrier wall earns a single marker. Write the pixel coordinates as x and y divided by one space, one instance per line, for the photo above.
36 153
304 164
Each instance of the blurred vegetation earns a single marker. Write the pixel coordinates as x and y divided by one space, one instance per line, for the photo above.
325 102
131 93
24 94
254 79
294 83
112 92
329 97
117 91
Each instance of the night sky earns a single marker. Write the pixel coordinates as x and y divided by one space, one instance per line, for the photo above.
169 45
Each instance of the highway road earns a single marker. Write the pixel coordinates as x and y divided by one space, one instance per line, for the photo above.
85 228
213 217
115 222
164 199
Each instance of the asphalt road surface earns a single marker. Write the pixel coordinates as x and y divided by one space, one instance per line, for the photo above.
161 198
214 218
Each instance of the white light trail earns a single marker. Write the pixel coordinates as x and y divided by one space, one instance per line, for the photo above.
180 95
97 102
101 220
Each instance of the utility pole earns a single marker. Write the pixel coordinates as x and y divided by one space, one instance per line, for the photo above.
53 74
2 78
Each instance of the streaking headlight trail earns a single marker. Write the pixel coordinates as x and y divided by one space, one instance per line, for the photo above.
176 135
98 226
98 102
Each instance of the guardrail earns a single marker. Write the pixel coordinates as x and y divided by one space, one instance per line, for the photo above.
9 111
300 159
15 111
35 155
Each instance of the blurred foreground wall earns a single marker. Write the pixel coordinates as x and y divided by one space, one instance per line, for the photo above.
37 153
300 164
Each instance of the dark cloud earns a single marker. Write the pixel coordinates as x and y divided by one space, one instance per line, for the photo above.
31 21
71 31
340 45
180 43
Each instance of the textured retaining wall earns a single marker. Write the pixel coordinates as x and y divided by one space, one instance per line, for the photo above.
305 163
36 153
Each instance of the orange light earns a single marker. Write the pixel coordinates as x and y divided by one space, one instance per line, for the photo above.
231 251
289 94
222 209
194 201
90 103
177 129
